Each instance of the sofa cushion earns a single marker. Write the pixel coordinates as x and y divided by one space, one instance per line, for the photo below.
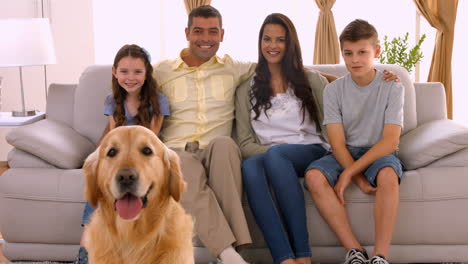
53 142
93 87
430 142
457 159
44 205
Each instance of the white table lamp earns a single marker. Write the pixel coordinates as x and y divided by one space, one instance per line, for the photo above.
26 42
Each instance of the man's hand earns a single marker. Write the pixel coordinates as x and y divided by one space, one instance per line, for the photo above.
341 185
364 185
390 76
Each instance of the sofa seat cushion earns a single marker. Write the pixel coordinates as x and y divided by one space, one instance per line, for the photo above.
427 199
52 141
53 198
432 141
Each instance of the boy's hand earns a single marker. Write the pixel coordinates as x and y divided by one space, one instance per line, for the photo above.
364 185
390 76
341 185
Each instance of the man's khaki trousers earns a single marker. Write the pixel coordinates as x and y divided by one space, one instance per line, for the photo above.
214 194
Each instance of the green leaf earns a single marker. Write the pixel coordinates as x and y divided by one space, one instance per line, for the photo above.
396 51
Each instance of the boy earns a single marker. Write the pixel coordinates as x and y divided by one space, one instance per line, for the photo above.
364 119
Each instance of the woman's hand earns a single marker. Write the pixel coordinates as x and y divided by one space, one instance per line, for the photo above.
390 76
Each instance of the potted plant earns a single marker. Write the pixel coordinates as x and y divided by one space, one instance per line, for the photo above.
396 52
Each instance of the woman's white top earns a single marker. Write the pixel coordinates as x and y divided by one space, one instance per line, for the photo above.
283 123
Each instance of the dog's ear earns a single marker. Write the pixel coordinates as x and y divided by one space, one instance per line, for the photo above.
176 180
92 191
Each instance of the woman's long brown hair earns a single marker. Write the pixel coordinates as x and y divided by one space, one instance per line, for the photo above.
292 69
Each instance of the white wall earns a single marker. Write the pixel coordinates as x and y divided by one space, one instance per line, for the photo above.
72 30
158 25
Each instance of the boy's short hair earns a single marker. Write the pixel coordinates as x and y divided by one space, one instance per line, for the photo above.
205 11
358 30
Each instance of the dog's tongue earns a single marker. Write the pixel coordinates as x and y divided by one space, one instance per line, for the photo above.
129 206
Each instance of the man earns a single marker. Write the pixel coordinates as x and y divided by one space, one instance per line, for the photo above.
200 87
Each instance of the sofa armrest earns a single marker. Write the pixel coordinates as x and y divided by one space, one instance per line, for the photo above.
52 141
430 102
430 142
60 103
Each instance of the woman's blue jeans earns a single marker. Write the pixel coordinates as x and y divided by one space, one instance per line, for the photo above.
283 223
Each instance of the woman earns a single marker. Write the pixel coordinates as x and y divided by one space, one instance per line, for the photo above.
278 117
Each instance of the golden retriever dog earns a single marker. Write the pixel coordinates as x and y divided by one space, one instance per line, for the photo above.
136 182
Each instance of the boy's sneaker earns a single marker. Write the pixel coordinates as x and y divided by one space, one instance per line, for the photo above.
356 256
379 259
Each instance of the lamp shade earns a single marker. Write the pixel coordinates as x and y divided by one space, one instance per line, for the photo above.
26 42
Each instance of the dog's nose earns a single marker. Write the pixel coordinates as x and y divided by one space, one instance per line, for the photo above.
126 178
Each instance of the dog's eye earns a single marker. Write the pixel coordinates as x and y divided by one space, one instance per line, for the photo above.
146 151
112 152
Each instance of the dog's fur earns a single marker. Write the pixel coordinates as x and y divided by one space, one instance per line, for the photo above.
162 231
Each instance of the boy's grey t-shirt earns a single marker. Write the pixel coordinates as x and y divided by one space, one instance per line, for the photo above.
363 111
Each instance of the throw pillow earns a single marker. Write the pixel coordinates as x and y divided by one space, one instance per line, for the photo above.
53 142
430 142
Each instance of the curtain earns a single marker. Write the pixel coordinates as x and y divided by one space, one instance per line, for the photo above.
441 14
191 4
326 49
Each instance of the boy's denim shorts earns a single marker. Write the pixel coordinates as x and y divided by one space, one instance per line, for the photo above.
330 167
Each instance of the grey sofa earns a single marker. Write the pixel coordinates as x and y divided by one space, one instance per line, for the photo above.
41 195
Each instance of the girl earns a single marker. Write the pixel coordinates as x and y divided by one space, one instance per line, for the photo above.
134 101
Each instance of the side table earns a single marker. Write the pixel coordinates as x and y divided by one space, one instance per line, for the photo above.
7 120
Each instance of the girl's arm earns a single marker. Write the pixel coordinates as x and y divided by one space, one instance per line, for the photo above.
110 125
156 124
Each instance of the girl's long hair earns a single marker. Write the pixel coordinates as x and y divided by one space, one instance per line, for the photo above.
148 95
292 69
